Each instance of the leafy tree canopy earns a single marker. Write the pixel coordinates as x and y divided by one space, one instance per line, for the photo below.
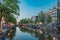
9 8
49 19
41 17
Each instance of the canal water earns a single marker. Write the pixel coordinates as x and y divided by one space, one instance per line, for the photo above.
23 34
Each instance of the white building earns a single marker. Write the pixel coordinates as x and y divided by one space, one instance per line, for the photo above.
34 18
52 13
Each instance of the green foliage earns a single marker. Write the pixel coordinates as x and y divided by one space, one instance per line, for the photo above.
29 20
9 8
25 21
41 17
49 19
58 16
10 18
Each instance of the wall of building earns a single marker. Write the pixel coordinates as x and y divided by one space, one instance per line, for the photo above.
52 13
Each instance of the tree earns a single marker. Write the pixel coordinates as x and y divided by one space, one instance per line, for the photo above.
49 19
26 21
10 18
9 6
41 17
29 20
58 18
23 21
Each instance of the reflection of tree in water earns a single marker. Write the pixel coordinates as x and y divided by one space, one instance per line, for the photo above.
45 36
58 33
41 37
12 34
34 34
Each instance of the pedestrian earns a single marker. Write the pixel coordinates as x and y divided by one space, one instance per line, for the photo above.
4 26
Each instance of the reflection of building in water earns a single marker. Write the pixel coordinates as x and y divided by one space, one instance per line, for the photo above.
45 36
34 34
41 37
12 34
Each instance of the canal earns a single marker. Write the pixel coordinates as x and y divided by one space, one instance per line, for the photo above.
24 34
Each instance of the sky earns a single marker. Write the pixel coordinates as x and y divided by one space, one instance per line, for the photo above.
29 8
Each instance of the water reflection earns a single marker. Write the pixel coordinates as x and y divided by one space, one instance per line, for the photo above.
44 36
49 35
3 35
24 34
12 34
34 34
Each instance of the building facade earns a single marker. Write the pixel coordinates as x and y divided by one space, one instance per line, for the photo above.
34 18
52 13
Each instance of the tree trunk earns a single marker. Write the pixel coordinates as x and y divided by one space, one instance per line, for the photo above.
0 20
